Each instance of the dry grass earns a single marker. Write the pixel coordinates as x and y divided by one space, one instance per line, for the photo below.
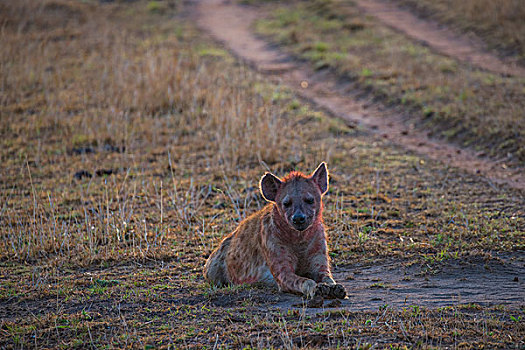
102 96
476 109
122 136
126 141
175 135
500 23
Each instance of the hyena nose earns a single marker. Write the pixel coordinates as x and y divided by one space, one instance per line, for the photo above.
299 219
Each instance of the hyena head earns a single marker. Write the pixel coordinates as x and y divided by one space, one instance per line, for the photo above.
297 196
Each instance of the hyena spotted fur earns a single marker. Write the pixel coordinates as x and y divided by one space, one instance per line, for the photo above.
284 244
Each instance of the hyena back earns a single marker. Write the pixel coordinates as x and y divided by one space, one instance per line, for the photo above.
284 243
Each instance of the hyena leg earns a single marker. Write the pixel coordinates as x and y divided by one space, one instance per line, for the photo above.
319 265
283 271
320 270
328 280
215 270
288 281
266 277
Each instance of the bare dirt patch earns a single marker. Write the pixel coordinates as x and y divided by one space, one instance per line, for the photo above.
230 23
499 24
400 285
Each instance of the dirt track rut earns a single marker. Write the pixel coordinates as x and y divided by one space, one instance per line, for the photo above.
230 24
439 38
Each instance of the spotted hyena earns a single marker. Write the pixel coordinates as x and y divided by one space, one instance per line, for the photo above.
283 244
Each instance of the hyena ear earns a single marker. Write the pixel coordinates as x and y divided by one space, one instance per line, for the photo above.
269 186
320 177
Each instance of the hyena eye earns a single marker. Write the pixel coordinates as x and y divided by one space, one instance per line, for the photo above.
309 200
287 202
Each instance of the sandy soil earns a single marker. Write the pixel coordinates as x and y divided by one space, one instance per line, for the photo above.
396 285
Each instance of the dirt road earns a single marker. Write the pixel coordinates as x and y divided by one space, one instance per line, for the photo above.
231 24
439 38
391 284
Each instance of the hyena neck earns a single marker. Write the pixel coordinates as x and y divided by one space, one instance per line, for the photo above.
288 233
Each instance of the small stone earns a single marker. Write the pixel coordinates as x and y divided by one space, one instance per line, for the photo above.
334 303
82 173
316 302
104 172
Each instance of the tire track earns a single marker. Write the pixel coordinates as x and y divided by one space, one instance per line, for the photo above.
230 24
440 38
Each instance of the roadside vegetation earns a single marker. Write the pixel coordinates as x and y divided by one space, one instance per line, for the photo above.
439 96
130 144
501 24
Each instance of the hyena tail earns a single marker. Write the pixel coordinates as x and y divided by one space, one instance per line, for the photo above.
215 270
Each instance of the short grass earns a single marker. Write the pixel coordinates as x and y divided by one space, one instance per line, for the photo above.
501 24
164 306
448 99
130 144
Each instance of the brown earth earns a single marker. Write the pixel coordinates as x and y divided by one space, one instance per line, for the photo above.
396 285
231 24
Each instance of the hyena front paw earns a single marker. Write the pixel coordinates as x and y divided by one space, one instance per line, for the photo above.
328 280
339 291
308 289
330 291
